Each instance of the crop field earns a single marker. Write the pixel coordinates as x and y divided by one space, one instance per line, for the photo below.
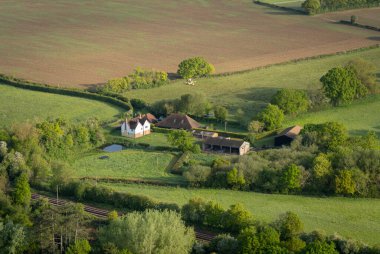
71 43
128 164
19 105
370 17
359 117
252 90
356 218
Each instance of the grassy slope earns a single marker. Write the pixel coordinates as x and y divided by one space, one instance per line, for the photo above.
252 90
359 117
128 164
356 218
18 105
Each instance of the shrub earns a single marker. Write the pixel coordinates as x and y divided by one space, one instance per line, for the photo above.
311 6
197 175
195 67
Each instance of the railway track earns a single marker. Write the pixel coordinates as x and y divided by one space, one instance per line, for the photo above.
103 214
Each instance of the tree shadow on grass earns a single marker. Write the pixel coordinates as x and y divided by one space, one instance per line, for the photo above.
259 94
364 132
374 38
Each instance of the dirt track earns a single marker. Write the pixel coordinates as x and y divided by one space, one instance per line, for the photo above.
86 42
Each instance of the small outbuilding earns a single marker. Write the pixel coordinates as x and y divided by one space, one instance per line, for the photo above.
179 121
287 136
226 145
204 134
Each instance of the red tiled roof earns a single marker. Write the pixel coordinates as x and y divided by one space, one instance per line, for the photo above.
179 121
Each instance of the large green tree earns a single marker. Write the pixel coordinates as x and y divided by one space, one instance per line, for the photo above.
149 232
291 178
220 113
291 101
272 117
21 192
183 141
365 71
342 85
195 67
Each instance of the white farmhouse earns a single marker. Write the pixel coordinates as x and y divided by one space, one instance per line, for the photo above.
135 128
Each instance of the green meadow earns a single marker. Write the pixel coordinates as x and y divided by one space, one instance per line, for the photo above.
350 217
359 117
128 164
20 105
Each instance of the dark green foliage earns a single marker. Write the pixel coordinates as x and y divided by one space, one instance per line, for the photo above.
79 247
235 179
195 67
289 225
194 104
21 193
320 247
183 141
342 85
138 104
291 179
224 244
138 79
149 232
197 175
211 214
12 238
365 71
334 5
87 192
311 6
272 117
327 136
220 113
291 101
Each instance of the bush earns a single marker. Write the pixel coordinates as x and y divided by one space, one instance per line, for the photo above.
197 175
311 6
195 67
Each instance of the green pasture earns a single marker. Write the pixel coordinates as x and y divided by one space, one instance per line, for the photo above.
359 117
252 90
20 105
350 217
296 4
128 164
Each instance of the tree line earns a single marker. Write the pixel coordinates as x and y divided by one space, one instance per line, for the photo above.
324 159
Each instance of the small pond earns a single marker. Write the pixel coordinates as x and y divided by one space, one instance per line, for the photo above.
113 148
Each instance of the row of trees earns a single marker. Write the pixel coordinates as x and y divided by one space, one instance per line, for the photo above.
340 85
324 160
317 6
138 79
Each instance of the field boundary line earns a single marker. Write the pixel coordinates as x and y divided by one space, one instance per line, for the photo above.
303 59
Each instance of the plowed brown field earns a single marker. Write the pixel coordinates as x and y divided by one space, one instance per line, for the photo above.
71 43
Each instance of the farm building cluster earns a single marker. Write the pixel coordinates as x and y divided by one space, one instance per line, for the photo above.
211 141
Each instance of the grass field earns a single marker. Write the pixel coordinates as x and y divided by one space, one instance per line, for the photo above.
356 218
70 42
128 164
253 90
19 105
359 117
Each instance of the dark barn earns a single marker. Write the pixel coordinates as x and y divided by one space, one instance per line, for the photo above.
287 136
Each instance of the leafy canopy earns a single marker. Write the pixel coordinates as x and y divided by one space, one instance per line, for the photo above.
195 67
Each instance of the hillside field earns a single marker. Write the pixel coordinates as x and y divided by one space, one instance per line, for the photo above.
356 218
252 90
19 105
359 117
67 42
128 164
